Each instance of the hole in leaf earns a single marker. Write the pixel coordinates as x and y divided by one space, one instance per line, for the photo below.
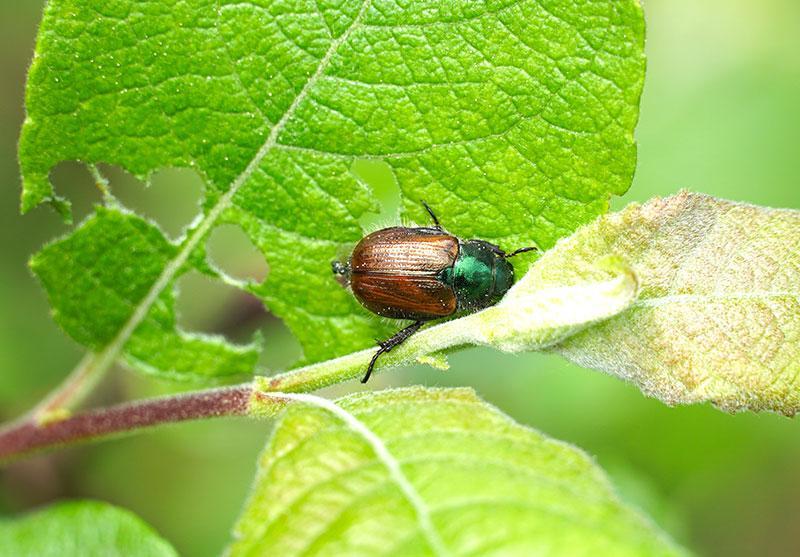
378 175
73 181
230 250
281 348
172 197
207 305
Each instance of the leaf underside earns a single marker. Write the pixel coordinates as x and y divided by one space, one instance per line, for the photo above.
515 119
717 317
430 472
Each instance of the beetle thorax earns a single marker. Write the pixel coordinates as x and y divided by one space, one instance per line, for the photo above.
480 275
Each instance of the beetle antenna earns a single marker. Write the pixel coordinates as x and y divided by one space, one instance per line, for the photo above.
397 339
433 216
520 250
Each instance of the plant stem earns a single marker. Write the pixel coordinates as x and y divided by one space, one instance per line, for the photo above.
71 392
27 436
51 424
323 374
430 341
102 184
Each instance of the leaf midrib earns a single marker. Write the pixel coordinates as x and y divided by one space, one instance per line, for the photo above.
107 356
658 301
387 459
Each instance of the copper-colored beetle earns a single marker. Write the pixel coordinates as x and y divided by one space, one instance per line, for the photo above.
423 274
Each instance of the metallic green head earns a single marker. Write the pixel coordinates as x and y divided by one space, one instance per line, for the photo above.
480 275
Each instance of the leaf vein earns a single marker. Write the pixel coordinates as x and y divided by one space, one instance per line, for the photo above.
389 461
203 227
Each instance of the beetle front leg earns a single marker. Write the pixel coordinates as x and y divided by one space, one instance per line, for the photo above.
386 346
518 251
499 251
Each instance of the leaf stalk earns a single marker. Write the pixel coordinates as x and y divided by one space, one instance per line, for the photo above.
28 436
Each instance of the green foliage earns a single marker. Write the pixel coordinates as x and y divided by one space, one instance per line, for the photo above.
724 122
430 472
97 275
81 529
514 118
692 298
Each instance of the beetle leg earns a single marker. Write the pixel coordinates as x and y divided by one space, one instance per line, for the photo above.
433 216
520 250
496 249
387 345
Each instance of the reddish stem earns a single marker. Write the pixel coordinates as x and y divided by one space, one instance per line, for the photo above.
26 436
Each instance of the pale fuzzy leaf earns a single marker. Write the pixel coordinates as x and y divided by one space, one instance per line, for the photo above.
430 472
514 119
81 529
534 315
718 313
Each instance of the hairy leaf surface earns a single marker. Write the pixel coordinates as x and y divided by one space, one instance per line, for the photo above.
81 528
430 472
718 313
514 119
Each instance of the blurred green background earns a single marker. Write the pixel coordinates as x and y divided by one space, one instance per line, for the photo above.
720 114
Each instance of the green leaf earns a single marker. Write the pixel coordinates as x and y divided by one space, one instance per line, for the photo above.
430 472
514 119
692 298
97 275
81 529
718 313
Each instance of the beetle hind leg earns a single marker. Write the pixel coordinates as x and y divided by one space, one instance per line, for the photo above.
386 346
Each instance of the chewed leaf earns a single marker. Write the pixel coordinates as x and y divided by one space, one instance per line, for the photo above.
96 277
430 472
515 119
718 314
80 528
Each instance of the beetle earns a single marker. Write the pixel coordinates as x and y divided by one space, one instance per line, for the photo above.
424 273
